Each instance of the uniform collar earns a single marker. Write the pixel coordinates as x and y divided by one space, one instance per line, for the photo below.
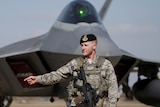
86 60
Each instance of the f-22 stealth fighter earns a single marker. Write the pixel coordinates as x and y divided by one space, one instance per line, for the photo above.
47 52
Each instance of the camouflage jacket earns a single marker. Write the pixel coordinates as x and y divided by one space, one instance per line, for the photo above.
103 80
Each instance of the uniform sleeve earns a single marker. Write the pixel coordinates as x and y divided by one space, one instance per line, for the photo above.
112 85
56 76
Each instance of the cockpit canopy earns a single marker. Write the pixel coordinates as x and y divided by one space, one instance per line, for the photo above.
79 11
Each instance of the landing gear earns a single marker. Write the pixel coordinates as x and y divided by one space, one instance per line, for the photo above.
126 89
51 99
5 101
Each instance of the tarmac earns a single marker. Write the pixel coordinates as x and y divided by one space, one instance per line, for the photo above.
45 102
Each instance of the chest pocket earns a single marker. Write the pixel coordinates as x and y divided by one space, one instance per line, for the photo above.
97 78
93 77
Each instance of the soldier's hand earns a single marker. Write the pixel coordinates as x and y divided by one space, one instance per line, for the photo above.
31 80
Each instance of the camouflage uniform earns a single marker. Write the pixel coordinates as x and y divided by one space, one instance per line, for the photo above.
102 78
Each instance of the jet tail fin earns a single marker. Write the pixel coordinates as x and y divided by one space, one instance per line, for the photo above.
104 8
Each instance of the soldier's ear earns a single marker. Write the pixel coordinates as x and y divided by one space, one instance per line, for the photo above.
94 44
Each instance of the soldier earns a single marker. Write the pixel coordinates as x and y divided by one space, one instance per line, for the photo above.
99 73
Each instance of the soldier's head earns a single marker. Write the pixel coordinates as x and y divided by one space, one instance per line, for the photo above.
88 44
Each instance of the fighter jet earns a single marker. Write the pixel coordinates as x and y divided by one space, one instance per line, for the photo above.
48 52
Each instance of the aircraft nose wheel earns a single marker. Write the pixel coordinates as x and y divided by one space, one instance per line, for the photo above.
1 101
51 99
6 99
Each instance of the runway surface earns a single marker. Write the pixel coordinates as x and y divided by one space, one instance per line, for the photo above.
44 102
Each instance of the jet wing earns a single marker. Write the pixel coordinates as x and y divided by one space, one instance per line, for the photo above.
143 66
24 46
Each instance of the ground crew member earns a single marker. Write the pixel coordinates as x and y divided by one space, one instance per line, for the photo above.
99 72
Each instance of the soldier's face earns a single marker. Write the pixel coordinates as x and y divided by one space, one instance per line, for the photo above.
88 48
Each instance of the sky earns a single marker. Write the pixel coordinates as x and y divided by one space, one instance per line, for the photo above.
132 24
